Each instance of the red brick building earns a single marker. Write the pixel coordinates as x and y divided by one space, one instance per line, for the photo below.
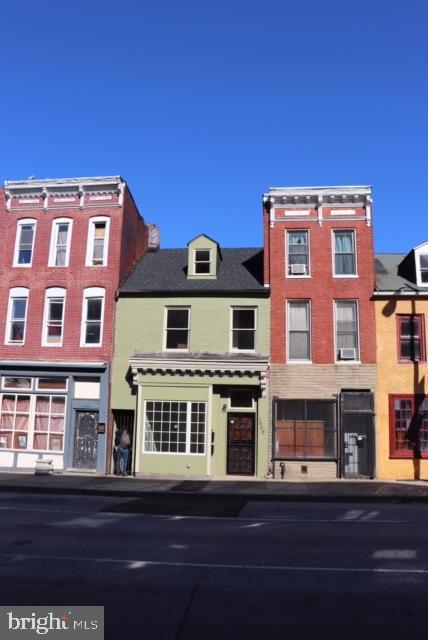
66 247
319 265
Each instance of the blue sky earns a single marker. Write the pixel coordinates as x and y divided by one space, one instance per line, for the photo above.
202 105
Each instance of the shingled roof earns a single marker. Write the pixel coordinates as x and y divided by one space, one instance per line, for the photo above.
392 274
165 271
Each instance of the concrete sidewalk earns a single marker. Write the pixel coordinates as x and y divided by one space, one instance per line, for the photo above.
259 490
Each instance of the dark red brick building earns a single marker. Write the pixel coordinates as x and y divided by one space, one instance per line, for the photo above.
319 265
66 247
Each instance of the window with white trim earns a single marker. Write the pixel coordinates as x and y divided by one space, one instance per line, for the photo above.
60 242
24 244
346 330
53 324
202 261
174 427
243 329
92 317
98 237
177 328
297 253
32 422
299 331
17 316
344 258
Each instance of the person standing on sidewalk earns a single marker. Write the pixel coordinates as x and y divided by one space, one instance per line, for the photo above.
123 443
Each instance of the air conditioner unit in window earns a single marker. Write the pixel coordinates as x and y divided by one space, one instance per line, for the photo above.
348 354
298 269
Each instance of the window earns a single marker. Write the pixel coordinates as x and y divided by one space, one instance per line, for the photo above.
297 253
410 338
346 323
92 318
60 243
24 245
202 261
241 399
54 317
32 422
98 235
344 253
408 417
243 329
16 316
175 427
177 328
423 268
299 332
305 429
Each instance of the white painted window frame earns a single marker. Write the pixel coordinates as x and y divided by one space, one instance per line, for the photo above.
208 273
20 224
54 241
357 307
53 293
333 253
16 293
88 293
91 237
290 275
233 349
188 430
165 327
287 335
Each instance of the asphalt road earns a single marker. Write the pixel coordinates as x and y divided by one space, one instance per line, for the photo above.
277 570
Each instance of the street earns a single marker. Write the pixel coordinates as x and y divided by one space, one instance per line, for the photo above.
277 569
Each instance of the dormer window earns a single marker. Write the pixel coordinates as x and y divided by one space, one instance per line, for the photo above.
202 261
423 267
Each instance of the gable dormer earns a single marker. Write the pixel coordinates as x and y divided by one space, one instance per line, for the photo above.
414 267
203 258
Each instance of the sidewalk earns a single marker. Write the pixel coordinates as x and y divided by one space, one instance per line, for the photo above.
258 490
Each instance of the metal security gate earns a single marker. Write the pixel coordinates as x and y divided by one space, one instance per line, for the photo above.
85 440
357 420
240 444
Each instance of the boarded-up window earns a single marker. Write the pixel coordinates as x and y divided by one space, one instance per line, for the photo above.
305 429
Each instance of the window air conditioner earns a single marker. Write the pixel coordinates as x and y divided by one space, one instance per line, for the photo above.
348 354
298 269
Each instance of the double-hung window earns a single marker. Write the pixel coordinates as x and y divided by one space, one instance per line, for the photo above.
54 317
16 316
299 331
24 244
202 261
60 243
423 268
177 328
98 238
346 330
344 258
243 329
297 253
92 317
175 427
410 338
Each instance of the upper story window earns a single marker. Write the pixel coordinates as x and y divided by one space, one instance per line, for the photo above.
410 338
299 331
346 330
243 329
423 267
177 328
60 243
16 316
297 253
24 244
92 317
344 258
202 261
53 325
98 237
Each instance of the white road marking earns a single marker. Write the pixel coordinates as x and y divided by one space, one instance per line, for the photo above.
141 564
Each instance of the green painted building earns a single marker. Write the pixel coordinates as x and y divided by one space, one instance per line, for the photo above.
191 359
